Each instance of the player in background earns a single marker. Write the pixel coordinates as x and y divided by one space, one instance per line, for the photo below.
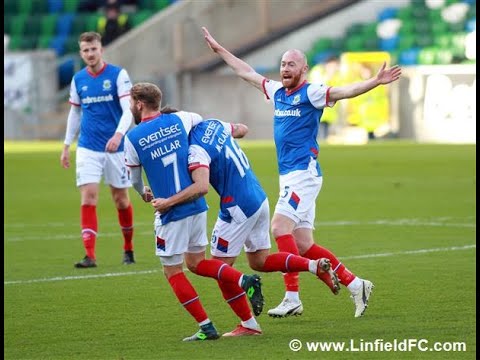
99 98
244 216
159 144
298 106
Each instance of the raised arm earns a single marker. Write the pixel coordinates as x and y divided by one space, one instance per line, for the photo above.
383 77
240 67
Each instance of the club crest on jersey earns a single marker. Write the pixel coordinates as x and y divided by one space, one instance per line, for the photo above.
84 88
296 99
107 85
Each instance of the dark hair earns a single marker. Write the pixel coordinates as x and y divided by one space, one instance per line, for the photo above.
168 110
148 93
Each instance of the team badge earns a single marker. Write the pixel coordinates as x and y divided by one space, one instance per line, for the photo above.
107 85
296 99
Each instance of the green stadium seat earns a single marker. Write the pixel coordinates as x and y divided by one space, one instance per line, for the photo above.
33 25
442 40
427 56
371 43
79 24
145 5
370 29
39 7
405 14
355 29
10 7
159 5
408 27
406 42
457 27
424 39
91 22
458 44
44 42
439 26
70 6
14 43
355 43
71 45
48 24
139 17
7 24
18 25
421 27
443 57
24 7
322 44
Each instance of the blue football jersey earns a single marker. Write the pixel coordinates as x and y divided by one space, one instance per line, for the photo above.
212 145
160 146
98 95
296 120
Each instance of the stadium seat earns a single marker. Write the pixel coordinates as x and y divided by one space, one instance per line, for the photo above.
79 24
322 44
10 7
48 24
70 6
389 44
91 22
64 24
159 5
139 17
408 57
387 13
406 41
57 43
443 57
426 56
55 6
44 42
71 45
471 25
424 39
18 25
33 25
355 43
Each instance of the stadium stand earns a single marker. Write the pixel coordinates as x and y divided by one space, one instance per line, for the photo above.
425 32
56 25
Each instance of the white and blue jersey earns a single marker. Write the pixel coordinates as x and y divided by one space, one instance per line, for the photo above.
212 145
296 120
160 145
98 95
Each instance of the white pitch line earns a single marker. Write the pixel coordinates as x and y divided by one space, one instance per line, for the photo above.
398 222
367 256
82 277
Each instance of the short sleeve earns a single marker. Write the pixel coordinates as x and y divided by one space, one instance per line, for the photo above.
124 85
131 155
270 87
318 96
189 119
197 157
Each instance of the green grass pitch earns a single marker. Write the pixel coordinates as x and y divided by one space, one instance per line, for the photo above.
400 214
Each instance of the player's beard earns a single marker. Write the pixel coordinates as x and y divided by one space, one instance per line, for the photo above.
292 82
137 116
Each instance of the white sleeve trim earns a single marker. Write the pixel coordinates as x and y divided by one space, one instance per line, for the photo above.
318 96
